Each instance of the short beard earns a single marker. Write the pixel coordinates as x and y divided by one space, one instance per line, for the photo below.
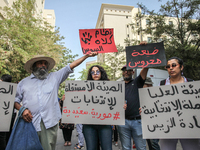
40 73
127 78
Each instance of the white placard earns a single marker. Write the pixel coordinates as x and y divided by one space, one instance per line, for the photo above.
7 97
171 111
94 102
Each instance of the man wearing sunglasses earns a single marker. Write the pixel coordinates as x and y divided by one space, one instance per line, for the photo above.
132 127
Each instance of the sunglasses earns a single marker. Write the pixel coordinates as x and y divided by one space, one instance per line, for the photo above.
168 66
97 72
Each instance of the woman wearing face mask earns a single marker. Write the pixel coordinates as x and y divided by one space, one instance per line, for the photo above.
175 68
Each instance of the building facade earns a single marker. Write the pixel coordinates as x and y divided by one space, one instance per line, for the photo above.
124 20
46 14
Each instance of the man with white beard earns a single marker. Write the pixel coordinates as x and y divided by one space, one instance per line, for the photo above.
39 94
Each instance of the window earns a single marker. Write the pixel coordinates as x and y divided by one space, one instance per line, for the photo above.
126 17
137 23
49 16
128 35
149 39
147 21
127 26
170 22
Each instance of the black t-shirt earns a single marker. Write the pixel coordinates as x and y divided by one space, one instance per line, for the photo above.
132 97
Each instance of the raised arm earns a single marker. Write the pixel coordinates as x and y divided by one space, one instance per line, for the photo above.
143 73
80 60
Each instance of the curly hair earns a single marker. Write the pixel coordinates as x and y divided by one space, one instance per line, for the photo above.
104 75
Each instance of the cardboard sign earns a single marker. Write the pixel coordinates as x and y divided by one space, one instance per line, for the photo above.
142 56
171 111
7 97
97 40
94 102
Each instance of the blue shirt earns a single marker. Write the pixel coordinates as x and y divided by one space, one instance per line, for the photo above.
41 97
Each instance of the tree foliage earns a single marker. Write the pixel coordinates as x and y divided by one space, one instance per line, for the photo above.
23 34
116 61
177 24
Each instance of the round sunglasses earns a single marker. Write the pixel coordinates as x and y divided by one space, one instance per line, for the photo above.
97 72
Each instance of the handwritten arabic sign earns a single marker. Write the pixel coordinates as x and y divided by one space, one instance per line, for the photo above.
94 102
7 97
142 56
171 111
97 40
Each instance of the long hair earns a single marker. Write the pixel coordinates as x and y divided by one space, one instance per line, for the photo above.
104 75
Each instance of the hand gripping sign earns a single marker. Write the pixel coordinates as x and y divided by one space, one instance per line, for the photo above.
97 40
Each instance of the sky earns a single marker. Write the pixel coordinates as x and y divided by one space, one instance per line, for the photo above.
72 15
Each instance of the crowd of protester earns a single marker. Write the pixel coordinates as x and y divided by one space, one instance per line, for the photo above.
38 94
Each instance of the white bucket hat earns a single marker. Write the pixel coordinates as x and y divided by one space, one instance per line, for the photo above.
29 64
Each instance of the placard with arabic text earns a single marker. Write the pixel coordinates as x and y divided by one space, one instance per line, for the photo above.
7 97
171 111
142 56
97 40
94 102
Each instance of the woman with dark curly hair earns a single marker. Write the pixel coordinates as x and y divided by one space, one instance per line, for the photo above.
94 132
102 75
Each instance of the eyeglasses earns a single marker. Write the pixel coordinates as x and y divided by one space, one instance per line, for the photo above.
168 66
97 72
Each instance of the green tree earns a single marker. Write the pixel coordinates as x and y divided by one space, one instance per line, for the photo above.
23 34
116 61
177 24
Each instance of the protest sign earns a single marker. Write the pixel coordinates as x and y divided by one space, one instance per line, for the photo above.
142 56
7 97
94 102
97 40
171 111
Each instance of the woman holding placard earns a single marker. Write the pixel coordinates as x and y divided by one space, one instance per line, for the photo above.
93 132
175 69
